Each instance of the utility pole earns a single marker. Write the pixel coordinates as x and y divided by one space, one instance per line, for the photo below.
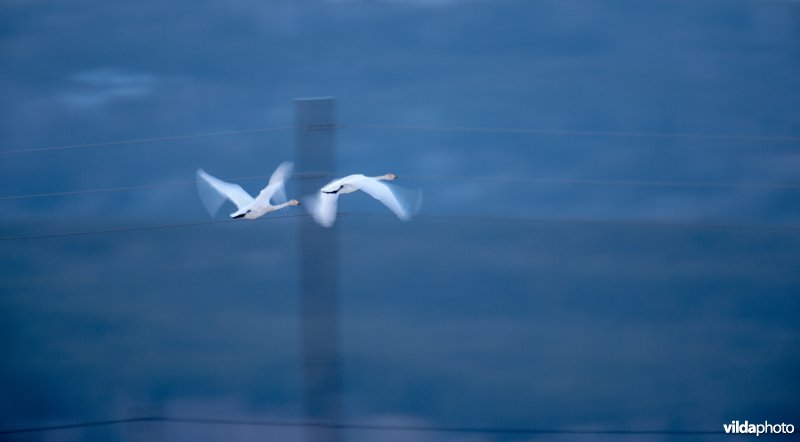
322 379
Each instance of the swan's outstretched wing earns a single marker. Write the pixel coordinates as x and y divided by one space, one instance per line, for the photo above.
276 189
322 207
404 203
213 192
279 177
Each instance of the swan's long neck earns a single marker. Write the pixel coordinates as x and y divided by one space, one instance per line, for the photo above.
387 177
281 206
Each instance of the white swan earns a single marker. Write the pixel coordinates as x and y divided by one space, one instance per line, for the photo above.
213 192
323 205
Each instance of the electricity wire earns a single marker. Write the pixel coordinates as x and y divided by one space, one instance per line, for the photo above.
354 426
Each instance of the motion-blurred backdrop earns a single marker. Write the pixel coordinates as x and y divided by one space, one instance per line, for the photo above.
607 249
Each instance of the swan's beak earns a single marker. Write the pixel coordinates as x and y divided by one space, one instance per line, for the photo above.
391 176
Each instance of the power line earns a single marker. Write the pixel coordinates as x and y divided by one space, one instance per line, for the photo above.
297 176
426 428
95 190
139 228
78 425
583 133
626 183
528 180
144 140
473 129
355 426
788 229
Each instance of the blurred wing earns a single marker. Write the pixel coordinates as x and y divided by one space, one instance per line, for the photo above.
276 190
213 192
404 203
410 199
322 208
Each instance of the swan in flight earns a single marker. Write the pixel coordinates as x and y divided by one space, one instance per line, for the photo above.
403 202
213 192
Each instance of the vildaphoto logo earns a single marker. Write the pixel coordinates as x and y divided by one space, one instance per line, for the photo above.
736 427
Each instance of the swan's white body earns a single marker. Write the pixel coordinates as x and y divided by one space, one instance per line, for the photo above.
323 206
213 192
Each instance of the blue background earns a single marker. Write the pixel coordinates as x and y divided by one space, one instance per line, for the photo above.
479 317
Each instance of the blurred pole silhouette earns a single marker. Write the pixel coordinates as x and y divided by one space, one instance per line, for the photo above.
315 151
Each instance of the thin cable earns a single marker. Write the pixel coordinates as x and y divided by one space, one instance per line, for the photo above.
592 222
451 218
626 183
353 426
316 175
78 425
297 176
582 133
145 140
140 228
425 428
628 134
97 190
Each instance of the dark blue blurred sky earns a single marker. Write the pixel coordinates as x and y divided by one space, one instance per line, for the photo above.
445 321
